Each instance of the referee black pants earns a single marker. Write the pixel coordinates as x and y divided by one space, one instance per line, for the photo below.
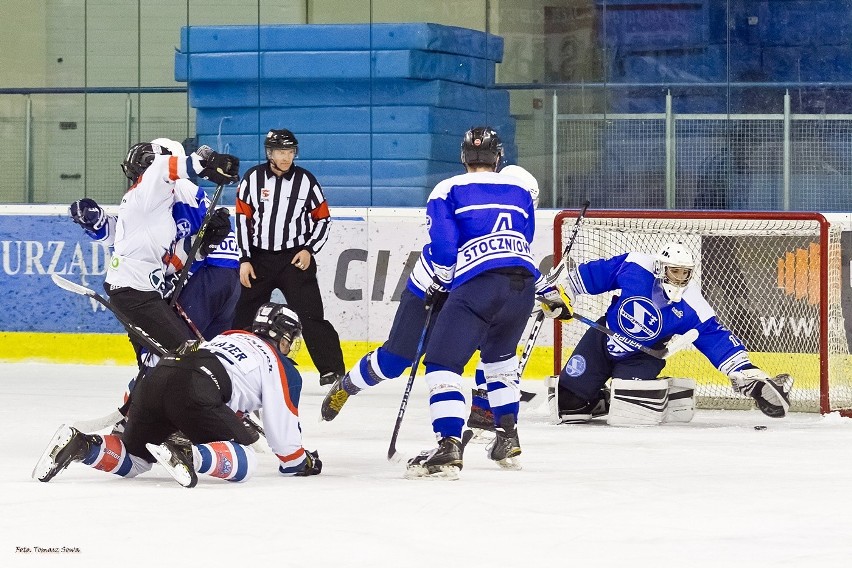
302 293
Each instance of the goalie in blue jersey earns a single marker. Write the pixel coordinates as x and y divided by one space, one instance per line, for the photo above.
658 300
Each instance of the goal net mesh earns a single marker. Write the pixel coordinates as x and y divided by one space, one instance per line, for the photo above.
763 278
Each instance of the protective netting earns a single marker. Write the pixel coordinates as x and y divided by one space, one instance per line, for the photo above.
763 278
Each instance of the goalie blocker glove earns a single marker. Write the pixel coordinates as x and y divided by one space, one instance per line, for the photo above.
221 169
771 395
555 303
217 230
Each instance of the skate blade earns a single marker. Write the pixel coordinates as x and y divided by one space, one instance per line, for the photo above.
576 419
447 472
45 463
481 436
512 464
178 472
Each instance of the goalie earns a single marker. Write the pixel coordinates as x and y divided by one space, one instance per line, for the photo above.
658 301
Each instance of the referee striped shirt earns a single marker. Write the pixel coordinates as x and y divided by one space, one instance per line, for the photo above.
276 213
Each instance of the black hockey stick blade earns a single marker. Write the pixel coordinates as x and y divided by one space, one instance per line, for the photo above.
196 245
138 332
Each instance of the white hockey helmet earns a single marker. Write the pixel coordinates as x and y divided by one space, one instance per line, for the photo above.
673 267
528 181
175 148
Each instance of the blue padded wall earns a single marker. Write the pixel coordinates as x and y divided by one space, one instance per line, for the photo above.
379 110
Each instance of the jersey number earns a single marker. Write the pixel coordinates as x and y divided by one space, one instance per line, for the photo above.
504 222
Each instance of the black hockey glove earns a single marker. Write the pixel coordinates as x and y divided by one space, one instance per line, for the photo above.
218 229
88 214
436 294
219 168
313 465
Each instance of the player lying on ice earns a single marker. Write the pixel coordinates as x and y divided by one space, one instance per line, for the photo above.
658 300
183 415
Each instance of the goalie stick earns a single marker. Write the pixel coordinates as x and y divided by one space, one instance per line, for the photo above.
673 347
393 455
183 275
551 277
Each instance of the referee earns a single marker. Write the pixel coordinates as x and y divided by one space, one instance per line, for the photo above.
282 222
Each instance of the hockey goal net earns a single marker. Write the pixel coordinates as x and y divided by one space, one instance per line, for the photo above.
774 279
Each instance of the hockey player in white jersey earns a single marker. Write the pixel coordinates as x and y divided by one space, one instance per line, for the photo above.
209 299
396 354
658 300
199 394
145 233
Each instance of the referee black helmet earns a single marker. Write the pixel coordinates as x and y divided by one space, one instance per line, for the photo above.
281 139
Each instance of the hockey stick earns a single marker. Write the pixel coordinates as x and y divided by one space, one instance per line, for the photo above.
552 276
114 417
131 328
196 245
674 346
393 454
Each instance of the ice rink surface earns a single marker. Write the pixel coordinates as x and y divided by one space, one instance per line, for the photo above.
715 492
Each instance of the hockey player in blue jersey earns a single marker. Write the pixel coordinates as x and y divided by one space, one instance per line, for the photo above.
480 228
394 356
658 300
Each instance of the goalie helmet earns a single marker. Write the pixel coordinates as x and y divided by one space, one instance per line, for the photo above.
277 322
528 181
281 139
140 157
481 147
673 267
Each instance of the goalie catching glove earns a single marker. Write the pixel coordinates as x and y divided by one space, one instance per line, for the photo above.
555 302
217 230
772 395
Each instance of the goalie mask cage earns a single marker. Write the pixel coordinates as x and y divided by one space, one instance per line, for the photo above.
773 278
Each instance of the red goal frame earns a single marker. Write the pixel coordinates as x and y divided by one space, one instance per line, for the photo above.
570 215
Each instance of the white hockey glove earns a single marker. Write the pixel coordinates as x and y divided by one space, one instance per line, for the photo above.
771 395
556 303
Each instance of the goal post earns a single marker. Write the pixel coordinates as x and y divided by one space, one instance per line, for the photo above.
773 278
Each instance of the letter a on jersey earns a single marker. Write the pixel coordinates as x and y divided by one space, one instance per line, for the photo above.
504 222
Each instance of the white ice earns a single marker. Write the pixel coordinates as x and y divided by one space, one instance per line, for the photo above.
715 492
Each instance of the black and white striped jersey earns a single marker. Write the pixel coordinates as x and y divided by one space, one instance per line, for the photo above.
276 213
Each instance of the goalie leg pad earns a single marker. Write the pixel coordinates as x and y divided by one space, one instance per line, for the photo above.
638 403
681 407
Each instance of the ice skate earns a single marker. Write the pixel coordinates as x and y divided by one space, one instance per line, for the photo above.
481 423
66 446
336 397
505 448
177 459
443 462
329 378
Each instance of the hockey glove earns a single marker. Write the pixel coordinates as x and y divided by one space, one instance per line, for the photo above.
556 303
436 294
217 230
313 465
222 169
88 214
771 395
